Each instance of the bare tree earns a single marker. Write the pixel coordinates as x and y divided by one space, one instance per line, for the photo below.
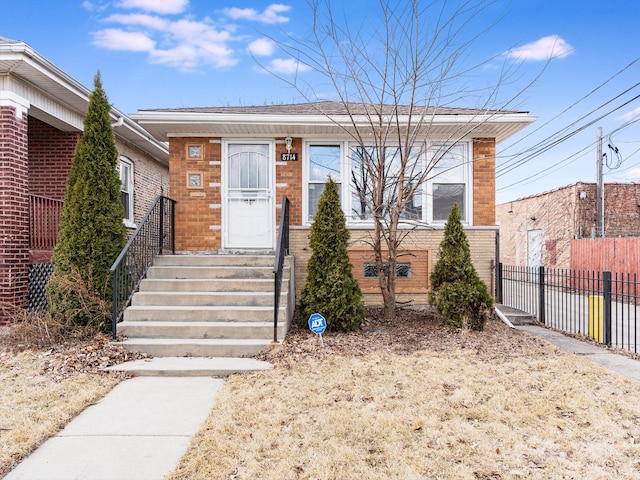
392 77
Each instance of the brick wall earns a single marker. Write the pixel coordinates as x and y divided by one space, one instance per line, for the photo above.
423 244
484 181
562 215
50 156
198 210
622 210
289 181
14 208
554 213
150 179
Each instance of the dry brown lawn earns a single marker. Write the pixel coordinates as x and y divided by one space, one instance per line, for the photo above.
42 390
413 400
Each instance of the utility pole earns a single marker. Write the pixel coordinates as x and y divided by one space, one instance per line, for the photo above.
600 187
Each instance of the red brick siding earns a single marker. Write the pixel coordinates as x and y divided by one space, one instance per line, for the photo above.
14 212
289 177
50 156
198 215
484 181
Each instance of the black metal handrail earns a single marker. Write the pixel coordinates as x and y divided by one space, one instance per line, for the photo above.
281 250
154 235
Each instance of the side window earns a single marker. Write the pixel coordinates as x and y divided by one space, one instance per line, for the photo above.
125 167
450 181
324 161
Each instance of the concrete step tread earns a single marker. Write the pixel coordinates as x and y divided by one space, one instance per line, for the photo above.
207 294
213 308
191 366
196 323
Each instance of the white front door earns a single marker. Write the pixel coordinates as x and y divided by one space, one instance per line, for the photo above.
248 203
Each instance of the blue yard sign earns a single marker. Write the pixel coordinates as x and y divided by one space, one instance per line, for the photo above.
317 323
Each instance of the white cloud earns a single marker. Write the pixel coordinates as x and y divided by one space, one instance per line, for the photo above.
632 115
116 39
189 57
270 15
184 41
94 6
287 66
157 6
138 19
545 48
262 47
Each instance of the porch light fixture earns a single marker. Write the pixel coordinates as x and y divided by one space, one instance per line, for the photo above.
288 143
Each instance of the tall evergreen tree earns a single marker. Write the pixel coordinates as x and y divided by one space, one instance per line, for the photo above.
330 288
91 233
457 291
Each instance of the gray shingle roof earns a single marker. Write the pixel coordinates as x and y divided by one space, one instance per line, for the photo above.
330 108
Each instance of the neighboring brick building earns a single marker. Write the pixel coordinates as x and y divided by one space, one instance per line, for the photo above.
537 230
41 120
230 166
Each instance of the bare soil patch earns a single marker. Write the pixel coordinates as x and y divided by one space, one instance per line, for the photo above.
414 400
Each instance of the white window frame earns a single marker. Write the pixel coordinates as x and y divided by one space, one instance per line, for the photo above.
306 169
467 179
426 193
128 219
369 221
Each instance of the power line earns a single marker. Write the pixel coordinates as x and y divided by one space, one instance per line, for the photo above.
554 140
629 65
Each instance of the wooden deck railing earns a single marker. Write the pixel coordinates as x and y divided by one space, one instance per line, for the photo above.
44 217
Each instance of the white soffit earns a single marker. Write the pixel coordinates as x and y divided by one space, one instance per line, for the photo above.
165 124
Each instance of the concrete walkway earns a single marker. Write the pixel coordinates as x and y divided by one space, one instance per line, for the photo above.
615 362
141 429
138 431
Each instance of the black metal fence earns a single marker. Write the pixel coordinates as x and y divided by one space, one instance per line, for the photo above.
602 305
154 236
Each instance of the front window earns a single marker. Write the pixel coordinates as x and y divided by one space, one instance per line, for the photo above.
365 167
125 168
435 178
324 161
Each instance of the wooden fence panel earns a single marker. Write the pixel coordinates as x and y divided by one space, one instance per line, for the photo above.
621 255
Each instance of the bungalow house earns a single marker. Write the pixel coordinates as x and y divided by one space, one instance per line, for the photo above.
230 166
42 111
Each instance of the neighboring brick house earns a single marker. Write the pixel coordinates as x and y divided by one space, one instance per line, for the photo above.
537 230
230 166
41 119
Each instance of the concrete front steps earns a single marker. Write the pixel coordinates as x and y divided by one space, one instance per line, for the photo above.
213 307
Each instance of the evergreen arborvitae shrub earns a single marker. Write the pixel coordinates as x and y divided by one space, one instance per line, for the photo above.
91 233
330 288
457 291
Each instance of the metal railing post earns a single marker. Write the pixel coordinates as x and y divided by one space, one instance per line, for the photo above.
606 293
161 233
541 299
114 304
499 282
172 222
281 250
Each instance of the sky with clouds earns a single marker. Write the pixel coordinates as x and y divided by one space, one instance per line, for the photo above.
578 59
